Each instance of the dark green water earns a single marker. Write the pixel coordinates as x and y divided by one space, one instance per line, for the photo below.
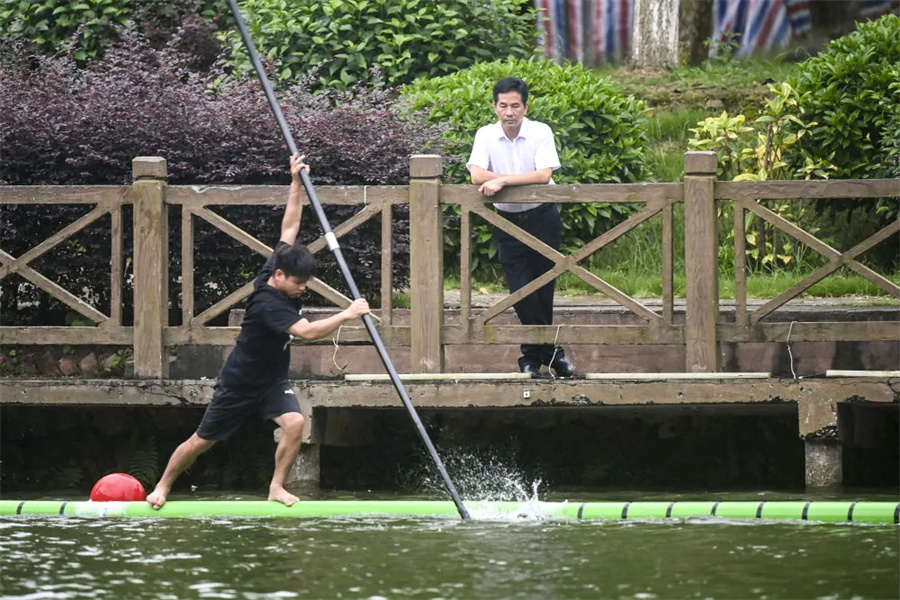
49 557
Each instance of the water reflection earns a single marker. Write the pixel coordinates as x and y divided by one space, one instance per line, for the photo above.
47 557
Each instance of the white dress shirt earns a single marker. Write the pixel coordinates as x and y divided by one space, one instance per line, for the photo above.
532 150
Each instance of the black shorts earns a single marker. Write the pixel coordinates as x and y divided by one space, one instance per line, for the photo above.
229 409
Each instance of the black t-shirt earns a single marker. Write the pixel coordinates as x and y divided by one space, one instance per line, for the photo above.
262 354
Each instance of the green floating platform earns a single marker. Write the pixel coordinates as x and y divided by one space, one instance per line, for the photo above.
820 511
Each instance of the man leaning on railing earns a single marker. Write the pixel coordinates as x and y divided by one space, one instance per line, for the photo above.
518 151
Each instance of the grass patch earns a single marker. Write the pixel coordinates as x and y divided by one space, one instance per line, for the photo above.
643 285
451 282
636 285
401 300
685 83
666 161
668 132
678 99
674 125
735 73
836 285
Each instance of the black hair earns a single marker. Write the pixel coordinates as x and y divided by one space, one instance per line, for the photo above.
296 261
511 84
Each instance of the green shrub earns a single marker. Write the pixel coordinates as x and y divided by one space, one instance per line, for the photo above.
730 138
851 99
891 139
88 26
600 135
404 39
51 23
777 132
889 209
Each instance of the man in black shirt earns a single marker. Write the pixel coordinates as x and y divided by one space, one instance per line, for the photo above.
254 379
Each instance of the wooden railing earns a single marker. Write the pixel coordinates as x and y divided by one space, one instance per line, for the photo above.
427 333
653 200
105 200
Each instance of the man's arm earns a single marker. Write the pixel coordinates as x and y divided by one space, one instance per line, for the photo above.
314 330
290 223
491 182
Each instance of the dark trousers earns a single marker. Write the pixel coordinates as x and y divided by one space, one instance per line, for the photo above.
521 265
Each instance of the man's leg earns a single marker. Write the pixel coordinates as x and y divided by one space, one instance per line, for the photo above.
544 302
291 424
543 223
548 229
183 457
515 260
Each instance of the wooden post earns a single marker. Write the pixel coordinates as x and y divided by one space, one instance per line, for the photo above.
426 253
701 257
151 271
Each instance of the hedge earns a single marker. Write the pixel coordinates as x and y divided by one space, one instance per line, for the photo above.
404 39
65 125
852 100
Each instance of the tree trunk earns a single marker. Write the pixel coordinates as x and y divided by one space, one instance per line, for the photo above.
655 43
695 29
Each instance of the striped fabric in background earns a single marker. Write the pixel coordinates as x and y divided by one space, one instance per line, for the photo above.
798 16
598 32
593 32
754 25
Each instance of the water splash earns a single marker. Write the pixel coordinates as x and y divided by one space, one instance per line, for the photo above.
490 483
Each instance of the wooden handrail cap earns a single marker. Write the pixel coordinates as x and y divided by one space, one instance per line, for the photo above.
700 163
149 167
425 165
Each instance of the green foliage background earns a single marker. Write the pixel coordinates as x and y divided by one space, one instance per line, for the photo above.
51 23
852 91
88 26
854 98
404 39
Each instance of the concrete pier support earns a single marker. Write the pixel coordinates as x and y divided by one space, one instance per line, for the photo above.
305 474
823 462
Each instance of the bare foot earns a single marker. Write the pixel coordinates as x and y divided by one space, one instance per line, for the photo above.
279 494
157 497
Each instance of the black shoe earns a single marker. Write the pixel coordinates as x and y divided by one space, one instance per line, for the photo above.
562 367
530 367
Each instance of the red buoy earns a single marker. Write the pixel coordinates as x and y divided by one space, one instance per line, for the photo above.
118 487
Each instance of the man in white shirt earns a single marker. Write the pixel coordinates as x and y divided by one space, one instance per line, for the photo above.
518 151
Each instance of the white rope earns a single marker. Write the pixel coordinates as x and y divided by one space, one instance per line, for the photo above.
335 339
555 350
791 354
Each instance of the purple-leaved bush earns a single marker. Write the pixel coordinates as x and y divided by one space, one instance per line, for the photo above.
65 125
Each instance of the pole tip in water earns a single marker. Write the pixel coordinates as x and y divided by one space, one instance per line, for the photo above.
118 487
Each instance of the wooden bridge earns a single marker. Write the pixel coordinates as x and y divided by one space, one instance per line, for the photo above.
426 333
